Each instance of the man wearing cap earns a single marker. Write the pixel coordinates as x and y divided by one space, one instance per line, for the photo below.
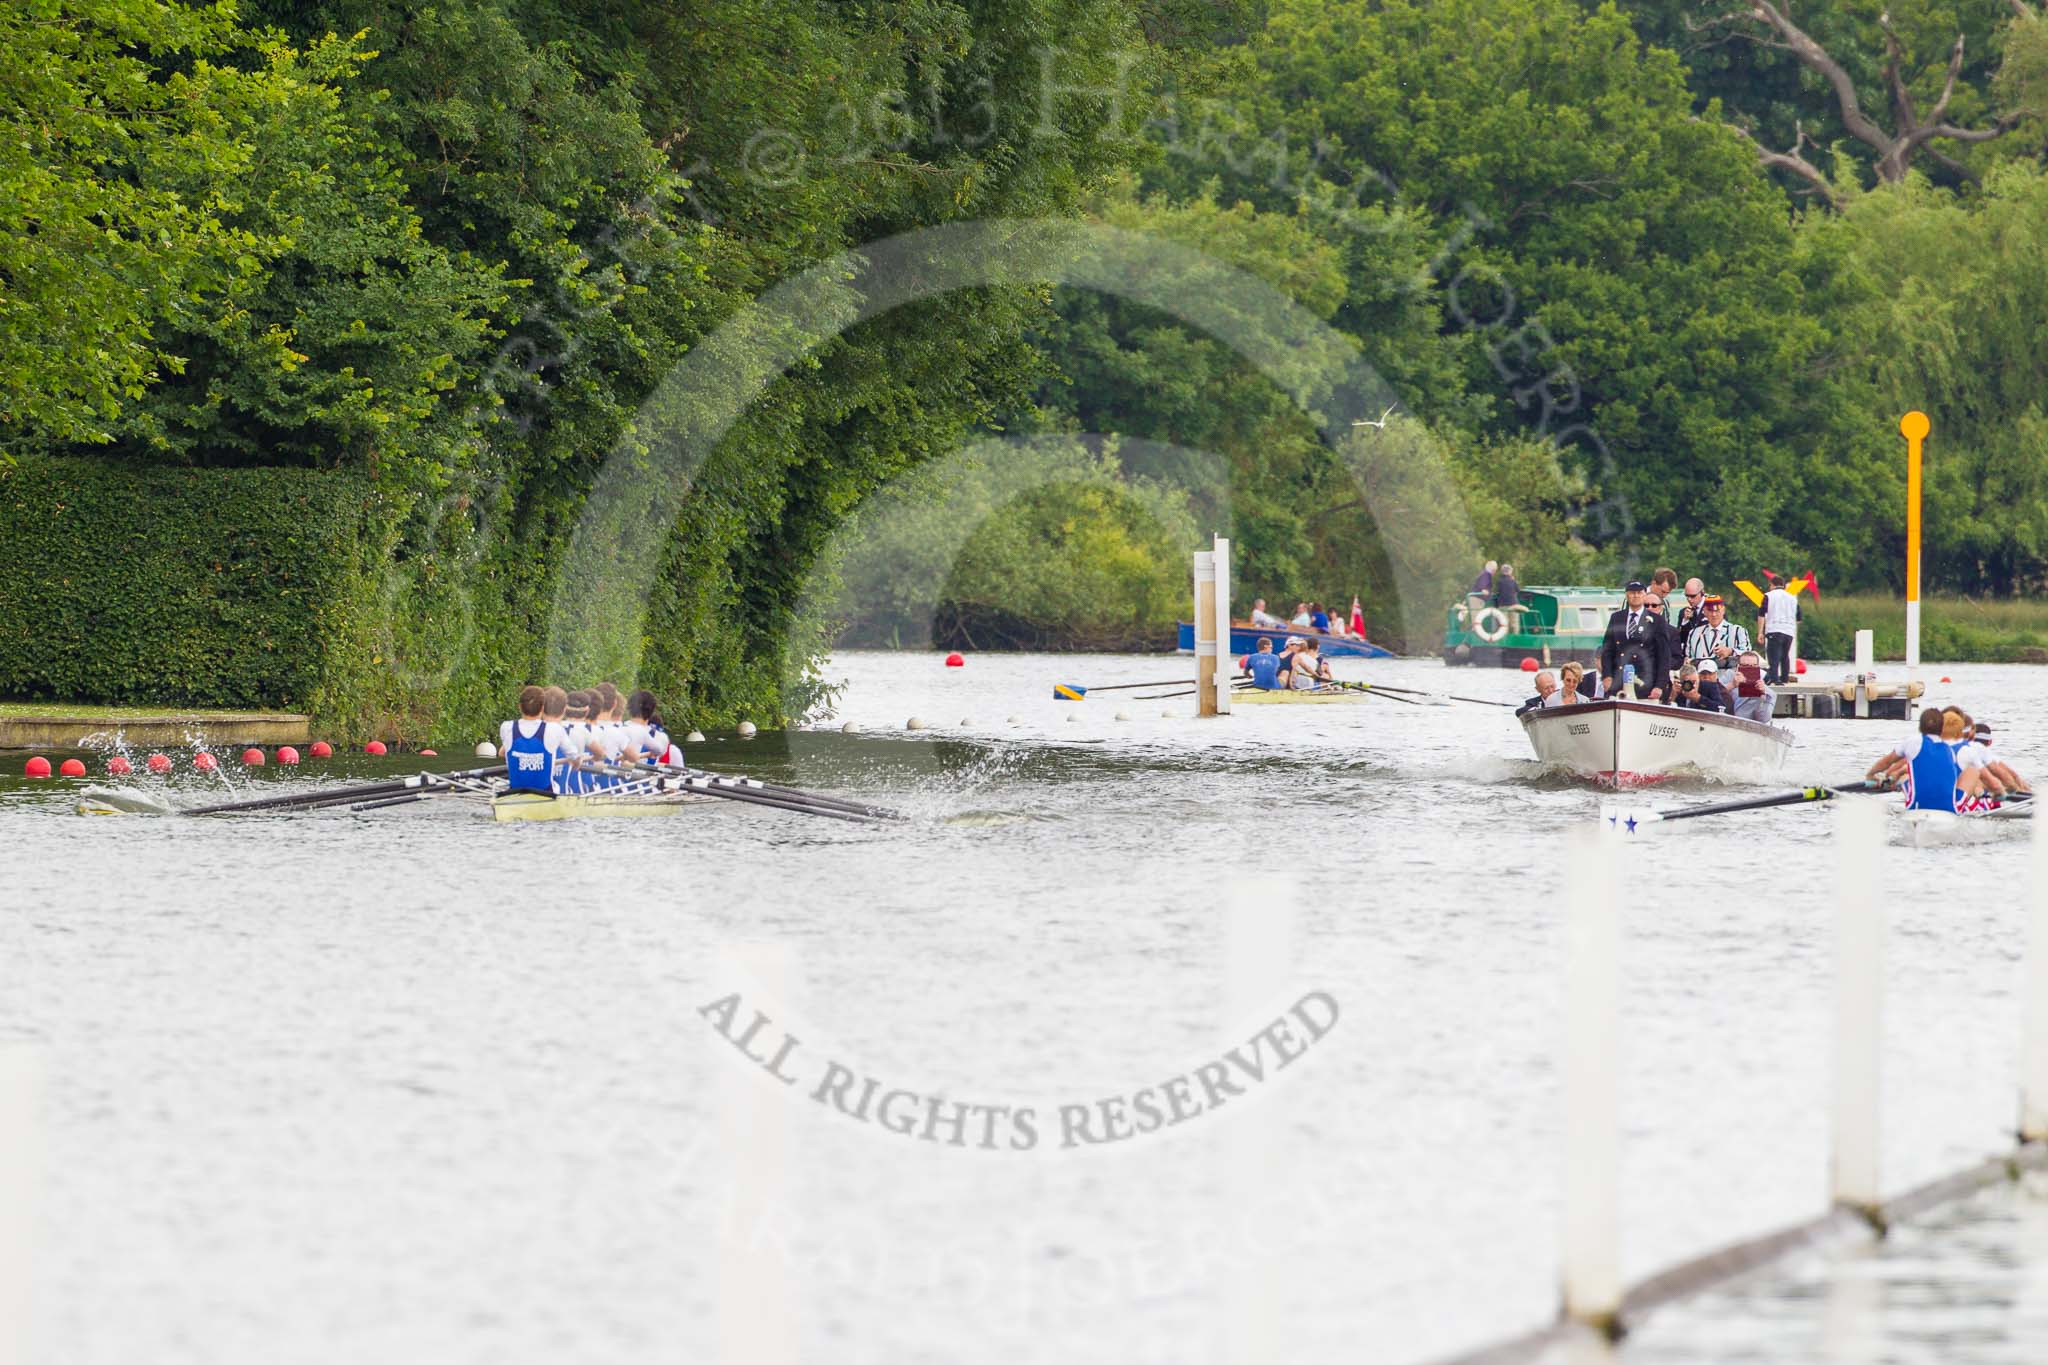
1635 636
1710 695
1716 637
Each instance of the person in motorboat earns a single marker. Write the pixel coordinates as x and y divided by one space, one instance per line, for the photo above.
1691 616
1715 636
1548 694
1634 640
1579 683
1699 688
1262 617
1925 766
1754 699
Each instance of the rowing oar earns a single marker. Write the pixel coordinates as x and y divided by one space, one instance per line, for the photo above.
333 796
771 789
1076 692
1375 688
1628 818
1447 696
761 794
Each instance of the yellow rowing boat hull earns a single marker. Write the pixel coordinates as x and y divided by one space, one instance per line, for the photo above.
508 807
1259 696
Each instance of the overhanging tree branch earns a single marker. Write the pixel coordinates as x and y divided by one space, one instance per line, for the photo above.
1912 131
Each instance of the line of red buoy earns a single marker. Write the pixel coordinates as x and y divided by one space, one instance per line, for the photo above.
119 765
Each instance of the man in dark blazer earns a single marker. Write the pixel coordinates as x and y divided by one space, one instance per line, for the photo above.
1636 635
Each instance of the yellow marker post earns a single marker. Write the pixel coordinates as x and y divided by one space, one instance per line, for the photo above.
1914 426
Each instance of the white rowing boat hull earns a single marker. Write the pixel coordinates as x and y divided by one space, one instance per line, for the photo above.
508 807
1929 828
1624 743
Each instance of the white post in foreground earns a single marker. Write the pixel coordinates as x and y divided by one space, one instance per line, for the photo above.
1260 943
756 1310
21 1176
1866 664
1592 1105
1860 919
1206 644
2034 1052
1224 668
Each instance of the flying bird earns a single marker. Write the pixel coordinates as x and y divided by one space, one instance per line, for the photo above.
1382 423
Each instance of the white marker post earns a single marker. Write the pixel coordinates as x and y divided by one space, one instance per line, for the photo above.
1859 1006
1591 1244
1224 671
21 1178
1205 633
1866 664
1260 945
756 1311
2034 1051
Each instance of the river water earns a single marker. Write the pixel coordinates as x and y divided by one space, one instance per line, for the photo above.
409 1085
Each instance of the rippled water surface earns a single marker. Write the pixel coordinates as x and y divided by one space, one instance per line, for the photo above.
409 1085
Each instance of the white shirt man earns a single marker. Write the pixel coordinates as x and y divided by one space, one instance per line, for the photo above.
1780 611
1779 618
1262 617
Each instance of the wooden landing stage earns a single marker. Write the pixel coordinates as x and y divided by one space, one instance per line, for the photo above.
1824 701
62 727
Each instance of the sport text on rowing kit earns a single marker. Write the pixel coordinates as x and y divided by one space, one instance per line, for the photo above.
852 1093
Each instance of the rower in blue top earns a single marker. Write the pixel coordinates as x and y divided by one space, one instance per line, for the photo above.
1263 666
1932 778
533 748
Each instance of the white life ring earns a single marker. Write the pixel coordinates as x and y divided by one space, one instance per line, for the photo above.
1491 625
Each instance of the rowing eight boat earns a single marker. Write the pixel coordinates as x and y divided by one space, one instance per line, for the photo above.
511 805
1262 696
1925 828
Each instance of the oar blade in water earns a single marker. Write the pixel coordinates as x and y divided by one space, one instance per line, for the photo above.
120 801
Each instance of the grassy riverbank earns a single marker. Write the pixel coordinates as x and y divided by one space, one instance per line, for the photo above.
1952 629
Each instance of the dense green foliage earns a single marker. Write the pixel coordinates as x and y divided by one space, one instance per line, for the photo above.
449 253
129 583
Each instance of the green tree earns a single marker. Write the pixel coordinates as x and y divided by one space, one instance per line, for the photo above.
120 159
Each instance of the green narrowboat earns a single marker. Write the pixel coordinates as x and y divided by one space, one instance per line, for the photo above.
1551 625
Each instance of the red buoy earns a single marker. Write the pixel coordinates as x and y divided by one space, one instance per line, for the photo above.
252 758
37 767
1944 677
428 753
321 749
1799 667
159 763
119 766
1529 664
205 761
375 748
288 755
72 768
954 660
